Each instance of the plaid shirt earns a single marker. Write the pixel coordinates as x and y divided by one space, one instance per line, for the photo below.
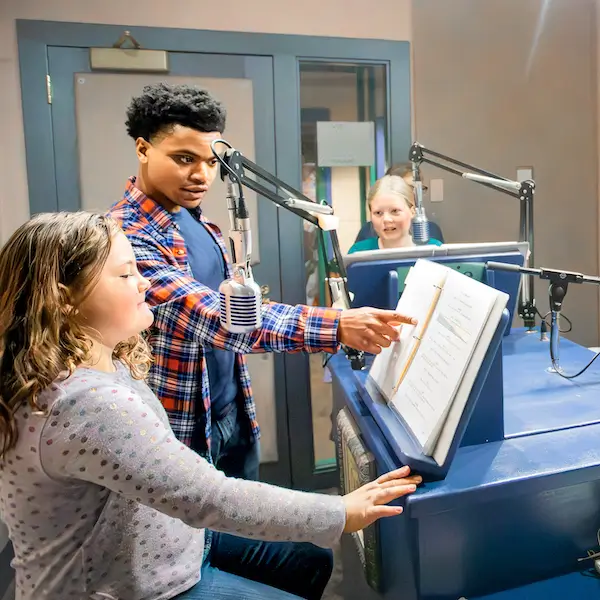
187 317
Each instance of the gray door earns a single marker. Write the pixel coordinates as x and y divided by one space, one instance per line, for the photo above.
94 157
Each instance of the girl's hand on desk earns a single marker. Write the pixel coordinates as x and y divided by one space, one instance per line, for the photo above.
368 503
370 329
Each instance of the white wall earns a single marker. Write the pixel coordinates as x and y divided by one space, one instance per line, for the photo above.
508 83
348 18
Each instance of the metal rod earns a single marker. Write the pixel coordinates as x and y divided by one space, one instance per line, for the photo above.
555 339
460 174
464 165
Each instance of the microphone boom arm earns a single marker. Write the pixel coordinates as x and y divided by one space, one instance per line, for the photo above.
419 154
234 164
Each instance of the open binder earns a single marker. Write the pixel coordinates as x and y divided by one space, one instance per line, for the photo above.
428 376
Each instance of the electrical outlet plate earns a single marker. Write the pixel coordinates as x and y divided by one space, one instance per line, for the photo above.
436 190
524 173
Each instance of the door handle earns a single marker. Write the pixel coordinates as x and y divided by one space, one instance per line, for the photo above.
265 290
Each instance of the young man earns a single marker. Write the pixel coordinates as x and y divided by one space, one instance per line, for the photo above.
199 372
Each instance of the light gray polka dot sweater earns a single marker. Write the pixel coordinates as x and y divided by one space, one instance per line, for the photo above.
102 502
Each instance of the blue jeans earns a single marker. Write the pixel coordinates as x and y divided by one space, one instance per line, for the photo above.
241 569
232 449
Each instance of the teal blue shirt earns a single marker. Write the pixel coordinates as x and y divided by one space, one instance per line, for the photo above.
372 243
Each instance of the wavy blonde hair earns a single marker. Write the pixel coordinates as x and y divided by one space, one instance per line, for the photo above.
391 184
47 268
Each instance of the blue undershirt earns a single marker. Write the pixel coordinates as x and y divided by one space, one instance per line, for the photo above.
208 267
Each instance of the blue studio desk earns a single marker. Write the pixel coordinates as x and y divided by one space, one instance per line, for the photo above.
511 518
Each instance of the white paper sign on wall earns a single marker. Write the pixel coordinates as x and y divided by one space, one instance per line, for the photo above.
345 144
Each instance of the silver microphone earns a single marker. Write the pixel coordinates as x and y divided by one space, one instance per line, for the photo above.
240 296
420 224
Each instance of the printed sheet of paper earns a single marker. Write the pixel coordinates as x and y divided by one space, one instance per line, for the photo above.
423 281
428 389
450 425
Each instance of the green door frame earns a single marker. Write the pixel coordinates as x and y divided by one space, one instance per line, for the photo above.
34 38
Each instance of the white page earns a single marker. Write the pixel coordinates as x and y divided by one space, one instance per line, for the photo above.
452 420
420 291
428 389
451 417
456 407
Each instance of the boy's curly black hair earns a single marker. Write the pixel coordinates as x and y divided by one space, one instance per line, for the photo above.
161 106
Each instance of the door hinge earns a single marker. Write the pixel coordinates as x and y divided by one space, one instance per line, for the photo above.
48 89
